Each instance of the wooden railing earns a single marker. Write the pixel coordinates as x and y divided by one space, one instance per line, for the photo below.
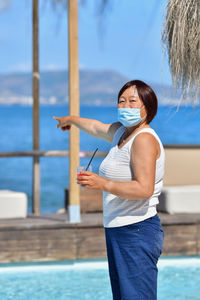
51 153
62 153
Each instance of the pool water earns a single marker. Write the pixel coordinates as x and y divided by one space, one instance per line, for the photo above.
179 279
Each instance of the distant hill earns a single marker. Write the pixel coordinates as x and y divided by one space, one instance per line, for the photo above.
96 88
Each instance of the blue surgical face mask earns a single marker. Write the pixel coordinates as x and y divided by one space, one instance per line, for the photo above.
129 116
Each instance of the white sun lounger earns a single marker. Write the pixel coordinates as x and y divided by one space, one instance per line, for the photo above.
180 199
13 204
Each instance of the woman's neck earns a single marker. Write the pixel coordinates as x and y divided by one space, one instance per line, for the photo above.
134 129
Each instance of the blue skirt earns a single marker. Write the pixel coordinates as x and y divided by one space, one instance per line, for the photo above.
133 253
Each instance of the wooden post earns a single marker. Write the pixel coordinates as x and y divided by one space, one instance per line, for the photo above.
74 143
35 82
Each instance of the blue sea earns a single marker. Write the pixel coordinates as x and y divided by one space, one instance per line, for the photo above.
173 127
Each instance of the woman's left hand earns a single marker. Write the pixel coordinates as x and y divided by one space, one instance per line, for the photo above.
90 180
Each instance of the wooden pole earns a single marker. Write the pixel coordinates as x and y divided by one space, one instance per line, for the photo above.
74 143
35 82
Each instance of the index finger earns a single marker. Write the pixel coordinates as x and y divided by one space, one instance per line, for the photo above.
85 173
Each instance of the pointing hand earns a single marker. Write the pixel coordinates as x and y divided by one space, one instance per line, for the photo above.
63 123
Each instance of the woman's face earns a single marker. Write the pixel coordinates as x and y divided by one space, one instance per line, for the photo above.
130 99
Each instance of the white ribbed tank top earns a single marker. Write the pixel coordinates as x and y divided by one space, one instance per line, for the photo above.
117 166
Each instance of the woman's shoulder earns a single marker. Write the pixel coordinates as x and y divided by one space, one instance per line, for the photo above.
144 138
147 138
146 133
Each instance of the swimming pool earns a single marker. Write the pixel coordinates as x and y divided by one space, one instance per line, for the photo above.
179 279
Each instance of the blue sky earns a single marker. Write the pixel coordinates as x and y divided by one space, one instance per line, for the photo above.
126 38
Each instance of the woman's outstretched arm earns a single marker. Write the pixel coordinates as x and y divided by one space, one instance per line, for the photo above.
89 126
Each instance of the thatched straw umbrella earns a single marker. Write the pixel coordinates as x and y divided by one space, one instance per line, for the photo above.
181 39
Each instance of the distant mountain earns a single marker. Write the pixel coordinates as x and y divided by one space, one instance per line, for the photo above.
96 88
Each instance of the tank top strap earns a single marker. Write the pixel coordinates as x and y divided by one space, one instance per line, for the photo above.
117 135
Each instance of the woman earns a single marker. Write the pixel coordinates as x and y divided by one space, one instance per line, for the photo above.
131 178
